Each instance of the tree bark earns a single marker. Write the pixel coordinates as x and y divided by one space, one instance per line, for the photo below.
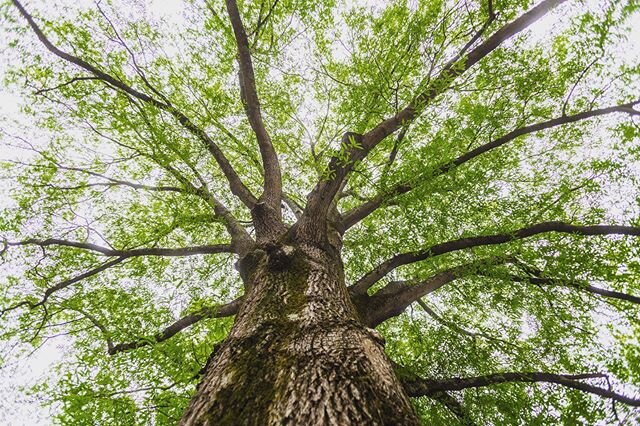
298 353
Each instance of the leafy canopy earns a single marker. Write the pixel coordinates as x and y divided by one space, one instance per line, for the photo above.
87 162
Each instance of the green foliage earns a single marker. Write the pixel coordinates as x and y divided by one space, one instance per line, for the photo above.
323 69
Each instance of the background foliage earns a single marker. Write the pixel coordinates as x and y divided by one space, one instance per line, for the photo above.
322 69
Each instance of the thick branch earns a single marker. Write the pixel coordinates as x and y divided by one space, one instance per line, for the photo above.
389 265
424 387
272 176
237 187
357 214
394 298
220 311
361 145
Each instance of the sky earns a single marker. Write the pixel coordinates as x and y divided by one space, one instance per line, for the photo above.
16 407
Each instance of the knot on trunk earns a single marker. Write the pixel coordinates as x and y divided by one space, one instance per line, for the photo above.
279 255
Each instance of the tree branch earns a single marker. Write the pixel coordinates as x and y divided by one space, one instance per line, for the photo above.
272 175
120 256
64 284
293 205
239 237
457 328
237 187
355 215
66 83
362 285
540 280
425 387
150 251
262 21
219 311
103 330
118 182
111 185
393 299
358 146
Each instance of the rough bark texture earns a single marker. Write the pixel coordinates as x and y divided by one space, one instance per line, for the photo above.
298 353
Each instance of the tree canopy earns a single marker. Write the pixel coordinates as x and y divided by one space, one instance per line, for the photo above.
481 158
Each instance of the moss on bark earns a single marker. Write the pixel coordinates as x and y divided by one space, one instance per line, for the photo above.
298 353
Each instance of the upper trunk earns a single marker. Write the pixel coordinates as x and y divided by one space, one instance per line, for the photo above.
298 353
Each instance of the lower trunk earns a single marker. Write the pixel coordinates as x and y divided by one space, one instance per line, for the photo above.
297 353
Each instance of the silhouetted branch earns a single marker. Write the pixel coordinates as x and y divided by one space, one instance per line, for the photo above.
66 83
539 279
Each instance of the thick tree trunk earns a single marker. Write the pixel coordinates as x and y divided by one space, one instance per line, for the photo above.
297 353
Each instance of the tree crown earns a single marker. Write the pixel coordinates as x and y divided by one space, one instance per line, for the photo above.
481 153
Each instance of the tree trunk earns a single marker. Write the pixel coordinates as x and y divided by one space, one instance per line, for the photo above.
298 353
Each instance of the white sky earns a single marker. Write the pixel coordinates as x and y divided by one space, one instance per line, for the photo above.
17 408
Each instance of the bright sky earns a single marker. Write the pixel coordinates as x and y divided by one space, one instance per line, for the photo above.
17 408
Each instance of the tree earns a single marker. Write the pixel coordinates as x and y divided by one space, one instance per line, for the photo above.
297 212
